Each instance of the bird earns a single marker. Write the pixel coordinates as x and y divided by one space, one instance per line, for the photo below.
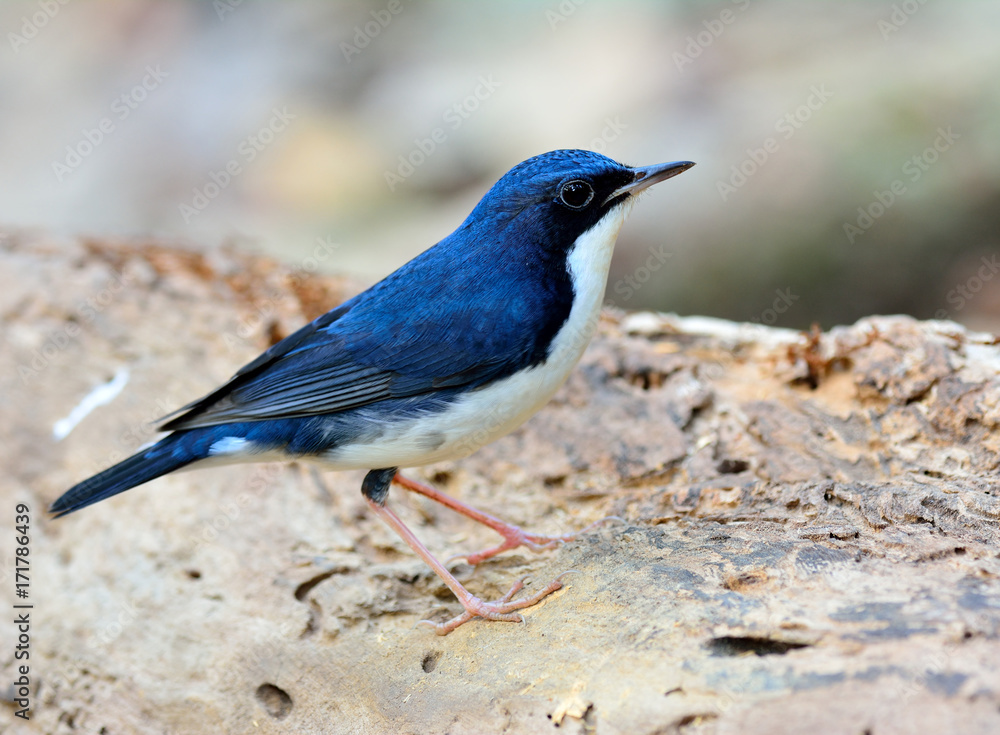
453 350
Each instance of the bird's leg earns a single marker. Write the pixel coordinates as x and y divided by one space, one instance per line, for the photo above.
375 489
513 535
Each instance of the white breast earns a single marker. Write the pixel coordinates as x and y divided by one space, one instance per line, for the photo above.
481 416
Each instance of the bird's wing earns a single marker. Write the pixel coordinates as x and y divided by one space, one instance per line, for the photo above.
393 341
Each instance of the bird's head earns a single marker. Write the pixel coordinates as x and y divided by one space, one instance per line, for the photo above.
557 196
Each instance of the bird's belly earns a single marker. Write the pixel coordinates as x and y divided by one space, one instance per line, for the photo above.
473 420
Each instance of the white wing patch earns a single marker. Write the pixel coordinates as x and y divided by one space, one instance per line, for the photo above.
230 445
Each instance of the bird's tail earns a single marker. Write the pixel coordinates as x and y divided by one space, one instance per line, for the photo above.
165 456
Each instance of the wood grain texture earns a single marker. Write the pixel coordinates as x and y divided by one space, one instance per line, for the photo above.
811 537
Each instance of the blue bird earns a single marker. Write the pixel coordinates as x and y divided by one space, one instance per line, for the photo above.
455 349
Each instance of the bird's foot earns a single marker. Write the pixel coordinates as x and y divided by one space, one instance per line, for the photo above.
503 609
515 537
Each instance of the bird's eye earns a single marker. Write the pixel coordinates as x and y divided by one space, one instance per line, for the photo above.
576 194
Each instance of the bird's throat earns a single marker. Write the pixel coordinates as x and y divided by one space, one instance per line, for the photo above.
588 263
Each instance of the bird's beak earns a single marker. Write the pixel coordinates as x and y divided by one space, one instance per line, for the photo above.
646 176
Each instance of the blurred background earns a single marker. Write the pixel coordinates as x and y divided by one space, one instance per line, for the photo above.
848 153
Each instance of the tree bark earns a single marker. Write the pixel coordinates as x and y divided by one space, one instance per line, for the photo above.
811 534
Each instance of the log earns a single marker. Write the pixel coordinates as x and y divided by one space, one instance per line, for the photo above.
810 537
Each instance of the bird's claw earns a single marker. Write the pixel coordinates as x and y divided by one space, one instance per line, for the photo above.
503 609
515 537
